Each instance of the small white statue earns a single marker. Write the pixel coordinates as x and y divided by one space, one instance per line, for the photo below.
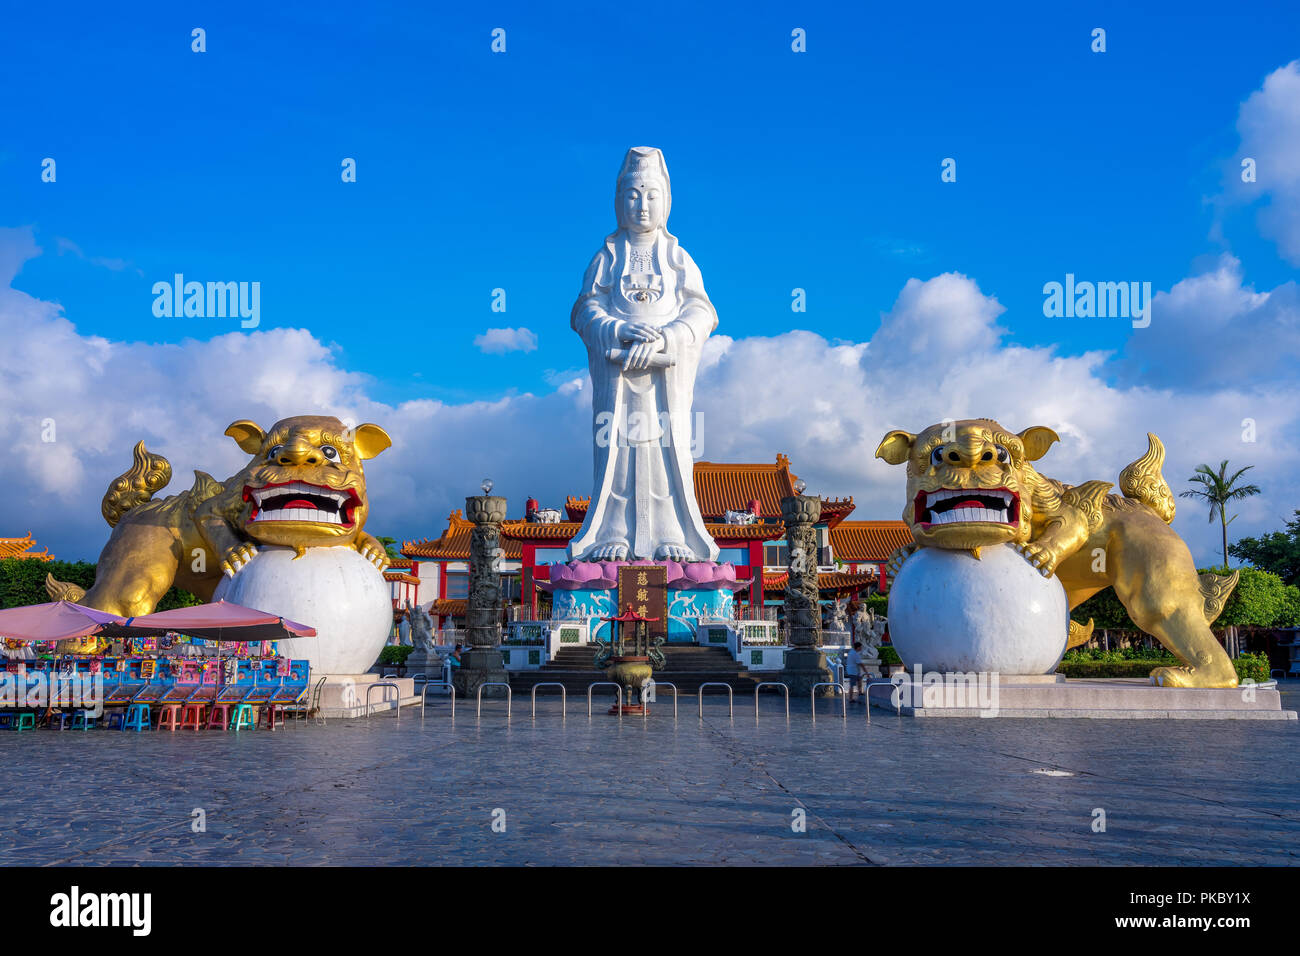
421 629
869 628
545 516
839 616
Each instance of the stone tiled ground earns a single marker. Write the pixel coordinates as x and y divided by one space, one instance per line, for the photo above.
901 791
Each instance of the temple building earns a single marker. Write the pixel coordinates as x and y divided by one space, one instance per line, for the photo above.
22 548
741 505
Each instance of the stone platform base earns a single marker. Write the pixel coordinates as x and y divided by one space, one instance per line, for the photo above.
344 695
1099 698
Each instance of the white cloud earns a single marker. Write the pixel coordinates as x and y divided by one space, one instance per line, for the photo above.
828 406
116 265
497 341
1213 330
938 353
1269 124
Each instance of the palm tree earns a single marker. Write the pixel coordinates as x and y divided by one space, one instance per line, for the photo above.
1218 489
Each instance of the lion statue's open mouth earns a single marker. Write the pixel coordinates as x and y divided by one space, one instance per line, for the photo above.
962 505
302 501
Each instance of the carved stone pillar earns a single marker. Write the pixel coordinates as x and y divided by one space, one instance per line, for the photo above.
481 660
805 664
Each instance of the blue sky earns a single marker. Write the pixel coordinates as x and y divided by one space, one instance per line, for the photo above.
478 171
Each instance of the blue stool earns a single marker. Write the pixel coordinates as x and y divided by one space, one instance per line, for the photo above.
7 720
115 719
137 718
63 717
26 720
243 717
82 720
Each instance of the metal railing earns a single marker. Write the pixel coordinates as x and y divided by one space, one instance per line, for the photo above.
606 683
664 683
385 684
897 701
424 696
731 699
844 701
564 697
510 697
772 683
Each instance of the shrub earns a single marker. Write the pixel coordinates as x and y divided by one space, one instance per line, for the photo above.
889 657
1080 669
1252 667
395 654
878 603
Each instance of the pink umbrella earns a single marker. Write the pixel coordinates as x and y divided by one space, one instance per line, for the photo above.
219 621
58 621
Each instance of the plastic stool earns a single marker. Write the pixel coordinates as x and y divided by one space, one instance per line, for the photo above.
268 716
219 716
192 717
137 718
115 719
169 716
243 718
83 720
63 717
7 720
26 721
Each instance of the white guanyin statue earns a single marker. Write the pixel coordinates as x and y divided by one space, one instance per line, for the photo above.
644 316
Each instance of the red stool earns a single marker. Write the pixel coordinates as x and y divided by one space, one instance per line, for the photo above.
267 717
219 717
169 716
192 716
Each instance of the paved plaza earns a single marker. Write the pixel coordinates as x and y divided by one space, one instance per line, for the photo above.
717 791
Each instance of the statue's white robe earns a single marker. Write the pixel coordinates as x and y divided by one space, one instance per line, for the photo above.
644 489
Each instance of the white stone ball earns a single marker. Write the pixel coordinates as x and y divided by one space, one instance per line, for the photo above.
334 590
949 611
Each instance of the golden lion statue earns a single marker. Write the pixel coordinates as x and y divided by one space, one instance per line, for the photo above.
970 484
303 488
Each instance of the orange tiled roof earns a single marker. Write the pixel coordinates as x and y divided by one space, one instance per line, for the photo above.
826 580
532 531
723 486
401 576
449 606
745 532
21 548
862 542
564 531
453 545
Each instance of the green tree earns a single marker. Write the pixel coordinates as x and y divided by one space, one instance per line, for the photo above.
1261 599
390 545
1278 551
1218 489
1105 611
22 582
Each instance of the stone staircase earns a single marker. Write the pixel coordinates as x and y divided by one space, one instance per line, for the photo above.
688 666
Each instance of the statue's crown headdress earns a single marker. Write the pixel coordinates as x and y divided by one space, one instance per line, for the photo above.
644 161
